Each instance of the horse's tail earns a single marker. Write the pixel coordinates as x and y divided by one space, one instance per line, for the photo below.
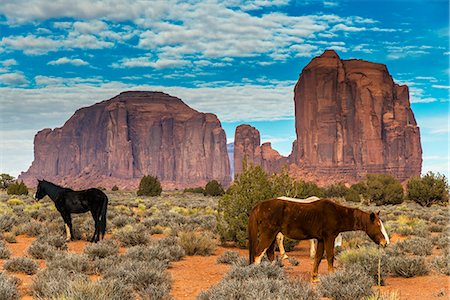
252 235
103 215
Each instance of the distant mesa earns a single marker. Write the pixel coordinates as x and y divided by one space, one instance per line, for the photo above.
117 141
351 119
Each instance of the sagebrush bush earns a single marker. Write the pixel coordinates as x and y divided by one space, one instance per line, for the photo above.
70 261
31 228
17 188
352 196
213 188
383 189
428 189
441 264
264 281
7 222
102 249
21 264
8 287
367 259
122 220
338 190
347 283
40 249
196 190
228 257
197 243
149 186
415 245
54 283
5 180
132 236
4 251
408 266
82 289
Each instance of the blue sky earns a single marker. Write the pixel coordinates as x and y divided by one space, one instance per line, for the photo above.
237 59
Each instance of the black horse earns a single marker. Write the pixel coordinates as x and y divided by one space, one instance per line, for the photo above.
68 201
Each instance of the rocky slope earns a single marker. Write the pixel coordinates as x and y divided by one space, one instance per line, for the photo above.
133 134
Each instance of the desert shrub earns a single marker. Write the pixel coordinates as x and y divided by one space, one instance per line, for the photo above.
408 266
428 189
293 261
5 180
7 222
8 287
40 249
149 186
383 189
122 221
197 243
115 188
348 283
4 251
196 190
166 249
442 241
213 188
148 279
436 228
228 257
82 289
289 244
264 281
31 228
21 264
132 236
352 196
15 202
17 188
53 283
415 245
71 262
407 226
367 259
102 249
249 187
10 237
390 295
338 190
441 264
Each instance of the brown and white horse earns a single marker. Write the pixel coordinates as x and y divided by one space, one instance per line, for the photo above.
313 242
322 220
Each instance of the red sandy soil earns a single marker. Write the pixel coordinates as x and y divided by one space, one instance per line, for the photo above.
196 273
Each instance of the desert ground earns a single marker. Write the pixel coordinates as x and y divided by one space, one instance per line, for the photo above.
167 247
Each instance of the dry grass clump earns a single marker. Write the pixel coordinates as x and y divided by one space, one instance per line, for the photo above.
133 236
8 287
408 266
102 249
264 281
347 283
82 289
228 257
31 228
197 243
73 262
53 283
21 264
7 222
441 264
44 247
166 249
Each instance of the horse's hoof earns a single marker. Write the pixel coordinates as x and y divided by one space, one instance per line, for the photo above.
315 280
284 257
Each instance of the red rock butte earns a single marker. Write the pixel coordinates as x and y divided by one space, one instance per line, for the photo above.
117 141
351 119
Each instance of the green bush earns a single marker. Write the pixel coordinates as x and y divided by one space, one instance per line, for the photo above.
213 188
408 266
17 188
429 189
336 191
149 186
5 180
250 187
197 190
284 185
352 195
383 189
197 243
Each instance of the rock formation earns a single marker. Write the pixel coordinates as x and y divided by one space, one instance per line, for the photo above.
351 119
247 146
133 134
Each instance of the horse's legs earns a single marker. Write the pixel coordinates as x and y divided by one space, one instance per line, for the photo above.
329 248
266 239
313 247
96 217
271 251
280 238
68 224
317 259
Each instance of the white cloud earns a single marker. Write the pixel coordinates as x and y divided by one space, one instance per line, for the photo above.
142 62
9 62
30 44
66 60
15 79
438 86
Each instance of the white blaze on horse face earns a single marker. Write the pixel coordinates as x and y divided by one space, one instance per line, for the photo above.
383 231
259 258
68 232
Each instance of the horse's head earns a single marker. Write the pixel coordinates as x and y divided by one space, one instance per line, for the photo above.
376 230
40 192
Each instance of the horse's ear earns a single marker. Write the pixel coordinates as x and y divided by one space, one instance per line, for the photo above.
372 217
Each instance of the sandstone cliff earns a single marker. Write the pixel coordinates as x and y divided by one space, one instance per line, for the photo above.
133 134
351 119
